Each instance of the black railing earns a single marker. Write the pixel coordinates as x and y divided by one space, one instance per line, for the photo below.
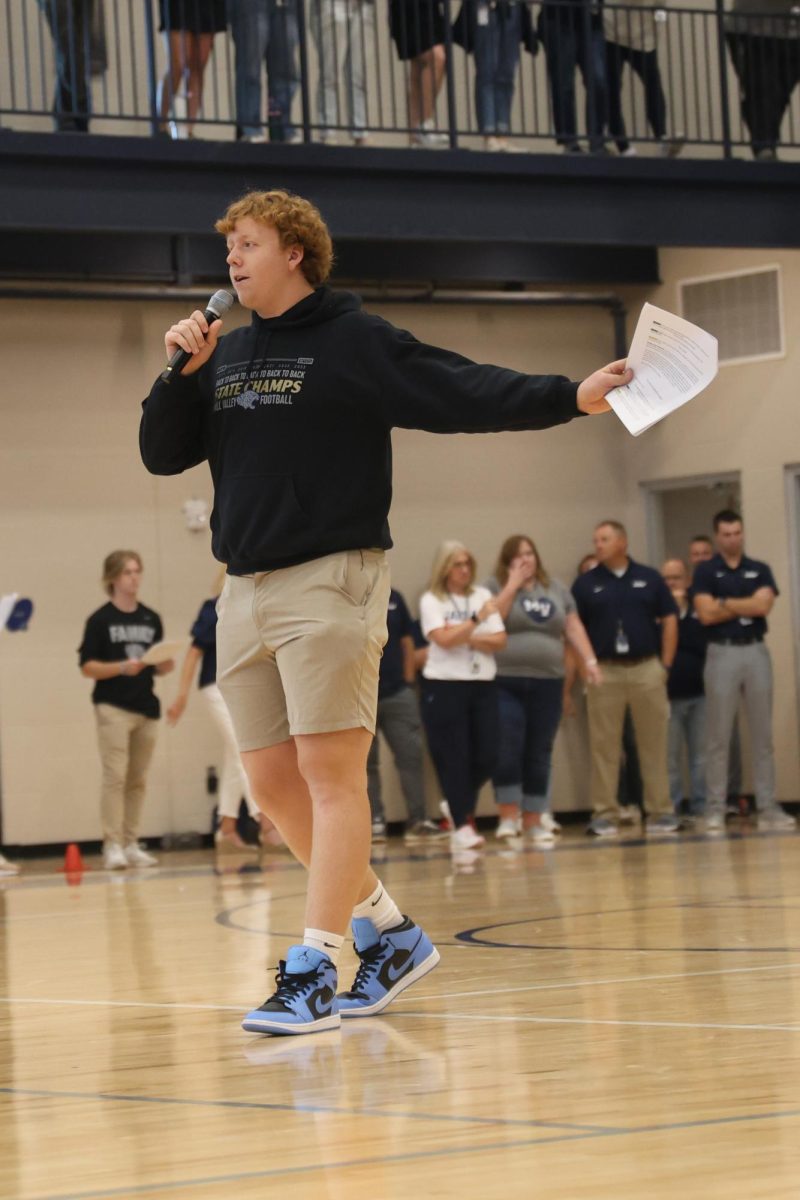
503 75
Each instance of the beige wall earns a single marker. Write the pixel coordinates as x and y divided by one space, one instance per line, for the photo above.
746 422
72 488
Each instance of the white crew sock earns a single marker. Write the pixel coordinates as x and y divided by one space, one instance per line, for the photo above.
326 943
380 908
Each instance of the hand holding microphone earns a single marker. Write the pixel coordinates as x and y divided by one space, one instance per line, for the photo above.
191 342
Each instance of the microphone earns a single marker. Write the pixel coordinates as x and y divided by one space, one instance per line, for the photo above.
217 306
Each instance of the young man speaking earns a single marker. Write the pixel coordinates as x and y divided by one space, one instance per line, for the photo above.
294 414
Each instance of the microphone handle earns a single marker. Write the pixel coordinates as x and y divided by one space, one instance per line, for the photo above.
181 356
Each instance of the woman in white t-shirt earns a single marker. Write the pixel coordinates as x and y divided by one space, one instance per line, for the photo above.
459 701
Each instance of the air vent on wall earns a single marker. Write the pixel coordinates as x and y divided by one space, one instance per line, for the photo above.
742 309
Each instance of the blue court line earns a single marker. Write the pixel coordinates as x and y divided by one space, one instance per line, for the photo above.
327 1109
418 1156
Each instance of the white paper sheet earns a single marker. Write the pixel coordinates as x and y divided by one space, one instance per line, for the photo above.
163 651
7 607
672 361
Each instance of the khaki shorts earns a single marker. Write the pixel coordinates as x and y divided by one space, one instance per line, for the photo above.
299 649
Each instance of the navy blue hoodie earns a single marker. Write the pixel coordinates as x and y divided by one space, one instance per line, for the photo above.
295 413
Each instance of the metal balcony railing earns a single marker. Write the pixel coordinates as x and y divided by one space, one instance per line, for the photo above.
503 75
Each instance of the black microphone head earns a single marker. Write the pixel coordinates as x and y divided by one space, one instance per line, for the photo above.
219 303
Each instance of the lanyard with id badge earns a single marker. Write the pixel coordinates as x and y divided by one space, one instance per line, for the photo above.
475 665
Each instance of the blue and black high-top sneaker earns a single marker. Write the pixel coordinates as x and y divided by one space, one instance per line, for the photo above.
305 998
390 962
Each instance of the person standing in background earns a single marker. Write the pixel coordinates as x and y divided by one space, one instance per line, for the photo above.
126 707
538 613
344 35
687 702
265 32
701 550
733 596
188 27
631 38
417 29
632 622
233 783
459 708
399 722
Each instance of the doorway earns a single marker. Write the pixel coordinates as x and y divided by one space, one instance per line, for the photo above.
680 509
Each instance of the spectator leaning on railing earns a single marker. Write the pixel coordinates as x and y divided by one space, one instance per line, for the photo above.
265 31
631 38
79 47
572 35
188 27
344 35
764 40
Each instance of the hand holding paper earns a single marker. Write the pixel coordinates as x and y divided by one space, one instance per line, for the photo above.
672 361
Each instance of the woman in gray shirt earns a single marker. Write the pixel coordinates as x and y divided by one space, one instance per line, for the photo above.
539 613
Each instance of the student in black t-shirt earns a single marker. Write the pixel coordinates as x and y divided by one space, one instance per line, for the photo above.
126 707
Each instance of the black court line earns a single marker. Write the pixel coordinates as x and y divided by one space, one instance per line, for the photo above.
418 1156
471 936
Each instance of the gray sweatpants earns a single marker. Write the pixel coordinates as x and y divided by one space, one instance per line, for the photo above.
730 672
399 722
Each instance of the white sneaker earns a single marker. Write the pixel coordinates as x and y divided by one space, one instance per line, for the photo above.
492 143
114 857
778 819
539 836
8 868
507 827
715 822
465 838
135 856
549 822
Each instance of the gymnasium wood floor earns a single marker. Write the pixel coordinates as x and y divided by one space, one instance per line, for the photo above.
607 1021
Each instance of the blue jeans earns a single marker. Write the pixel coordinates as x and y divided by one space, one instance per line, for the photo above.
70 24
496 53
530 713
265 31
572 38
687 723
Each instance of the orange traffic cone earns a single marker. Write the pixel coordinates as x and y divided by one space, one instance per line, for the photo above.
73 863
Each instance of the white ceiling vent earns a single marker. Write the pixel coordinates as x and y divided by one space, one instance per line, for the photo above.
742 309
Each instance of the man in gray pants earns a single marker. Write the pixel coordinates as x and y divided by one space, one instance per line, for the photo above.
399 722
733 595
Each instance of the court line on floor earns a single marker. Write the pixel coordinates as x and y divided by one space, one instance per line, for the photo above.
433 997
331 1110
417 1156
586 983
529 1020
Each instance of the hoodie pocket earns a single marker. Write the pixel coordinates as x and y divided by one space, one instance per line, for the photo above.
260 516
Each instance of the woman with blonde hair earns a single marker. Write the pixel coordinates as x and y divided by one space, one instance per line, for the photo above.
459 701
233 783
539 613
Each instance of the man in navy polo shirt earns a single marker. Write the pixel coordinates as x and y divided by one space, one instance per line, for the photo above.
399 722
632 622
733 595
